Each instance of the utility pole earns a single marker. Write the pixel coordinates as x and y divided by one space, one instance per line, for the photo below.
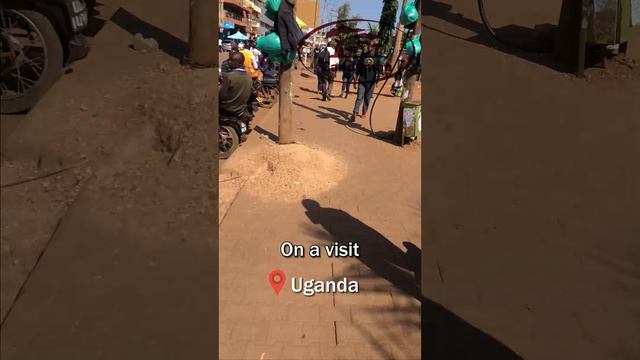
398 40
285 123
203 33
411 76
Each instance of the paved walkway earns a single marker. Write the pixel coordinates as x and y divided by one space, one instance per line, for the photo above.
376 204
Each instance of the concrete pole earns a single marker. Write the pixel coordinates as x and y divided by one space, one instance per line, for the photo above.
410 84
285 121
398 40
203 33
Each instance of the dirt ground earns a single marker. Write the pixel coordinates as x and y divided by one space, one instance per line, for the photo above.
367 191
123 237
530 198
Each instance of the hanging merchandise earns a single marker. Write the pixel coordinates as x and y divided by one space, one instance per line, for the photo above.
286 27
270 15
269 44
283 59
413 47
273 6
409 14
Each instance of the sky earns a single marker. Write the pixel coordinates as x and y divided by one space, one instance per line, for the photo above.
367 9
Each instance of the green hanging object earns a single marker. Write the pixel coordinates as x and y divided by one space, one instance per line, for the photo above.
270 15
413 47
283 59
269 44
409 14
273 5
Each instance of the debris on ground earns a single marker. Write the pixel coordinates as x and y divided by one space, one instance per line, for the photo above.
142 44
297 171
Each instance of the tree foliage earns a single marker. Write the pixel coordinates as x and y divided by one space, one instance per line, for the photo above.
387 23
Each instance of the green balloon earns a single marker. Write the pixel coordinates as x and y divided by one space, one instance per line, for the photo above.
409 14
269 44
273 5
413 47
283 59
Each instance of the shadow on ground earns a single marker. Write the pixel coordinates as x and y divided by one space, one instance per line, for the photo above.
537 42
342 118
168 43
444 334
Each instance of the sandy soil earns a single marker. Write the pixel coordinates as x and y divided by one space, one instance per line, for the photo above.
139 213
530 247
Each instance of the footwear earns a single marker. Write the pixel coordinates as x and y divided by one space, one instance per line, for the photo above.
352 118
364 117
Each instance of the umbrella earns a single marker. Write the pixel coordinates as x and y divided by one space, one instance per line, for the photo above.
238 36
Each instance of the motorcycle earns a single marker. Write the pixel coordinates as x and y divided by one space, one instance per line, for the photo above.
270 86
233 128
38 37
232 131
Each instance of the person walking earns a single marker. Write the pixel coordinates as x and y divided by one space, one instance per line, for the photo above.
325 74
333 67
367 72
348 68
317 68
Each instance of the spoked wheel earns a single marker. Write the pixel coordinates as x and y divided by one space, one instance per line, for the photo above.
263 97
32 58
228 141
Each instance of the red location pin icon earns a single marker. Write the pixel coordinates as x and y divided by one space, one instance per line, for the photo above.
277 279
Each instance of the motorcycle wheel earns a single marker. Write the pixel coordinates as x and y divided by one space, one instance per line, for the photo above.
22 86
264 98
228 141
274 92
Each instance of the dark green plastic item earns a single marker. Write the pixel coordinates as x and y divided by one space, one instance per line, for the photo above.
413 47
409 14
273 5
269 44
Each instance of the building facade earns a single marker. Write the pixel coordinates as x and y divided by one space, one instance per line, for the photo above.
309 12
239 15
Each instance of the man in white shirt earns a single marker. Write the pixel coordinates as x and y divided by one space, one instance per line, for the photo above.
333 67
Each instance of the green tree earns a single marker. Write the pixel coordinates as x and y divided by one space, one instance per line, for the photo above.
387 24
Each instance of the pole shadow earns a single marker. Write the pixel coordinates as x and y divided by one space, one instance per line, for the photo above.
444 334
539 39
168 43
341 117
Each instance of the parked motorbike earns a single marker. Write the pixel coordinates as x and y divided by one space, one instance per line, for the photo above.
38 38
232 130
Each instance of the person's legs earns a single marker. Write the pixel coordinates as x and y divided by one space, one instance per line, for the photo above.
367 98
330 78
359 98
325 87
347 85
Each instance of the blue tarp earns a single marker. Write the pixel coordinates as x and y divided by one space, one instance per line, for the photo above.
238 36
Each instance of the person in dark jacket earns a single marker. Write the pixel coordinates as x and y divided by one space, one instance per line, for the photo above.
348 68
367 73
237 85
